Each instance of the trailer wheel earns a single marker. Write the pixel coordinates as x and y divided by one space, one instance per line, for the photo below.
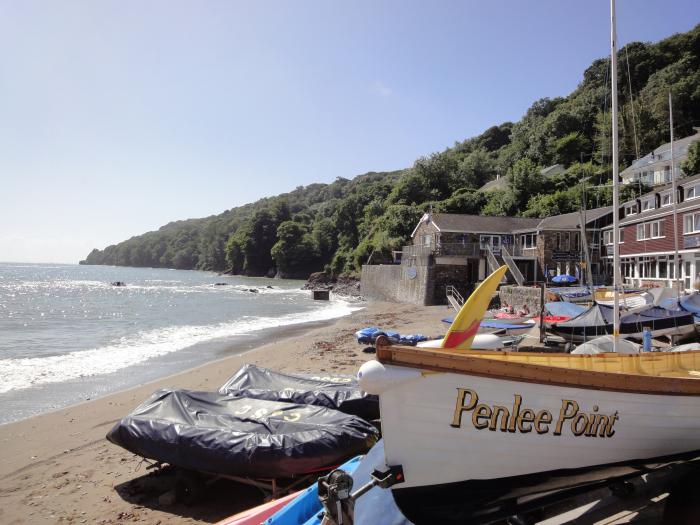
189 488
683 503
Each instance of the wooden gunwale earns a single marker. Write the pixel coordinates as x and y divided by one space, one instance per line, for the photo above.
497 365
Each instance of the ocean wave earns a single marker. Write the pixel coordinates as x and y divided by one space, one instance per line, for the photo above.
23 373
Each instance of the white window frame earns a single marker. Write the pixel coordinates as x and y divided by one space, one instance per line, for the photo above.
630 209
696 192
648 204
528 241
694 222
668 195
648 234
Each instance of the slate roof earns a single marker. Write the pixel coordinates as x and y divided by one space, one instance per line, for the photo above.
663 154
495 184
457 223
572 221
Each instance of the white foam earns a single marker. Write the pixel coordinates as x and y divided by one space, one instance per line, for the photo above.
17 374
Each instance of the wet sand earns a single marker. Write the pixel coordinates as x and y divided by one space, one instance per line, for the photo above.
59 468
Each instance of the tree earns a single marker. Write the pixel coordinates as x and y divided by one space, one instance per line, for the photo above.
691 165
524 180
500 203
295 253
474 170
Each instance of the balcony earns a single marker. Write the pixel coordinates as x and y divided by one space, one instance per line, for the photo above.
468 249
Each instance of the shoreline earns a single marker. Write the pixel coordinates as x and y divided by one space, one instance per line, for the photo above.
253 342
58 466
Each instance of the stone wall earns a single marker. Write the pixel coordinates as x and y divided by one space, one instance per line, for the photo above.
517 296
405 283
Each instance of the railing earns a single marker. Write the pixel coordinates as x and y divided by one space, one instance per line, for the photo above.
512 266
467 249
454 297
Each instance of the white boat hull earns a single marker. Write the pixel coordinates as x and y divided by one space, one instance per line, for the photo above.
431 428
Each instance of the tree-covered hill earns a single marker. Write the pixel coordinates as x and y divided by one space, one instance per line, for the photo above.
336 227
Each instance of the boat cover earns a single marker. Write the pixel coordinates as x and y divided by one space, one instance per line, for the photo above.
339 392
691 303
231 435
564 308
505 325
605 344
598 319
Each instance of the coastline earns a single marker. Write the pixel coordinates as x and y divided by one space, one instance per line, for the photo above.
57 466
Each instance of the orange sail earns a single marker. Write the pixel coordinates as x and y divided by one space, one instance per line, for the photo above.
466 323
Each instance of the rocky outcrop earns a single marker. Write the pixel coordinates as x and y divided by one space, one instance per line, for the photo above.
342 285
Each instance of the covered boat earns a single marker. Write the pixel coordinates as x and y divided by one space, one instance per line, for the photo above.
239 436
598 320
476 435
339 392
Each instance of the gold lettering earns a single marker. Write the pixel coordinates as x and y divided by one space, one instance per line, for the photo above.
526 416
460 407
602 424
524 420
514 414
544 417
564 414
609 432
503 411
481 412
577 429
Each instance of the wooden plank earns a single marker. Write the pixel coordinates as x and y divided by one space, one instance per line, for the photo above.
662 373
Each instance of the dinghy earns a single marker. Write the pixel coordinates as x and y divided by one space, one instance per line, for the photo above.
229 435
476 432
336 391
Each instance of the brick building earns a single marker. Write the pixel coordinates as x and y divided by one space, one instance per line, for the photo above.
647 236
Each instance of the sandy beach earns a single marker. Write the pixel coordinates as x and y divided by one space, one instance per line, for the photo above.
59 468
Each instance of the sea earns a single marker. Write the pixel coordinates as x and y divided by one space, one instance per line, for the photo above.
67 334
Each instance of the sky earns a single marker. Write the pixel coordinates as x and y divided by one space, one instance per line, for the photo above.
117 117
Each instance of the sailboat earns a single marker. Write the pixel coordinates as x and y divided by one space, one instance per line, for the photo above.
469 434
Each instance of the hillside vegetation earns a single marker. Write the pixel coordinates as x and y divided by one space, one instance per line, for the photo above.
336 227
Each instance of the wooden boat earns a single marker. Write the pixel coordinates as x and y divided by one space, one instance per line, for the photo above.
478 431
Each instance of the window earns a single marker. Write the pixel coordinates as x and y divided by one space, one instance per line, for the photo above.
630 209
564 242
648 204
427 240
528 240
575 244
666 200
647 268
650 230
490 240
691 223
608 236
692 192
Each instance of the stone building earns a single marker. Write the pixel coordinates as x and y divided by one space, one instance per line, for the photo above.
459 251
556 244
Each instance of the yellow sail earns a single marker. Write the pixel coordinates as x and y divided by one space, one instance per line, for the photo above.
466 323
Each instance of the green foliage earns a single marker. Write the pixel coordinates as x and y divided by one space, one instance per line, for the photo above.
691 166
501 203
295 253
524 179
338 226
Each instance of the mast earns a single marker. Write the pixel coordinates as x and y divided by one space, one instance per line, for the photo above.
676 260
616 177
